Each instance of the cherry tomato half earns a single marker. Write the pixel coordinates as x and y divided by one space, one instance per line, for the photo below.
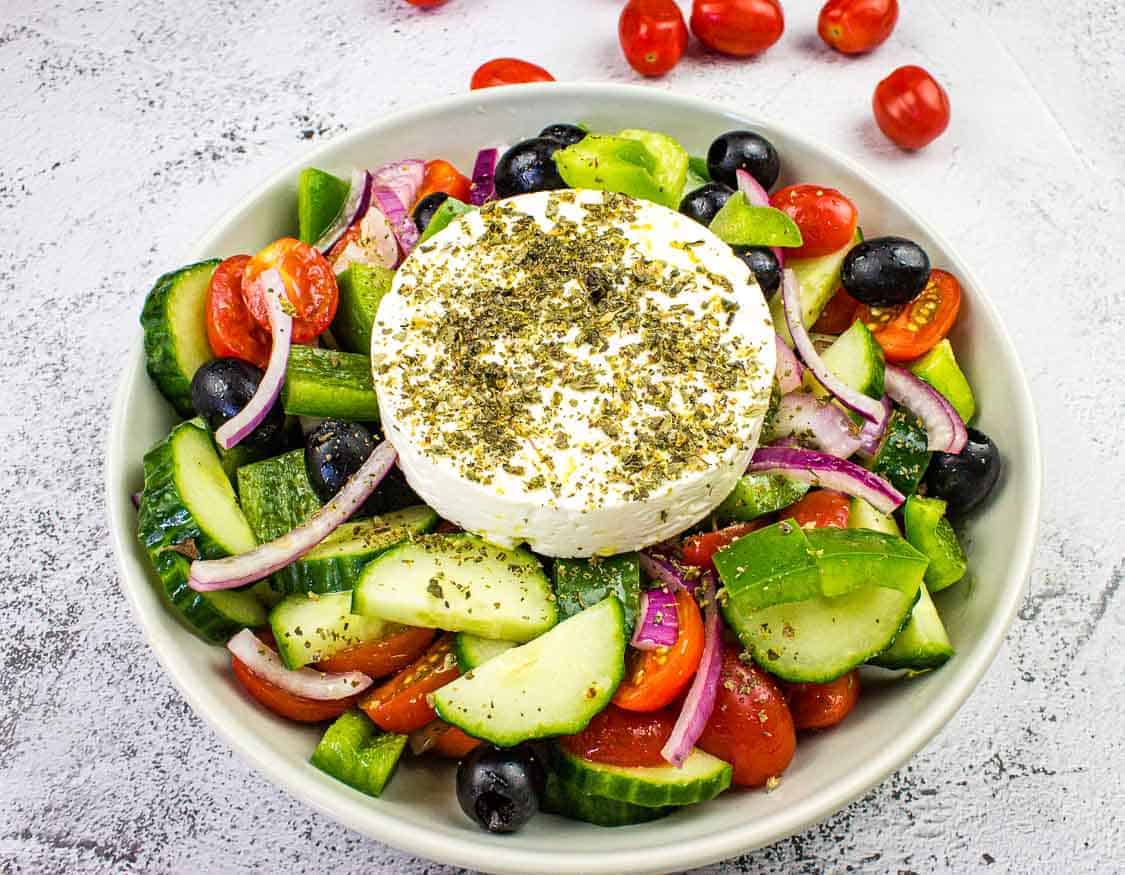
751 727
819 706
425 4
819 509
383 656
623 738
454 744
913 329
855 26
400 704
826 218
440 175
699 549
654 678
231 331
838 315
507 71
310 287
910 107
737 27
282 702
653 35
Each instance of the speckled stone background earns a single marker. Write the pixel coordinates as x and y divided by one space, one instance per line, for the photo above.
128 126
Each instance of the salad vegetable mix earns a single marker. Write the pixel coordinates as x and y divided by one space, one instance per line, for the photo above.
602 470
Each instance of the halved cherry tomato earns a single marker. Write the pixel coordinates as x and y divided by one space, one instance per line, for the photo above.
913 329
826 218
819 509
654 678
698 549
819 706
653 35
854 26
400 704
623 738
838 315
282 702
310 287
425 4
751 727
737 27
440 175
910 107
231 330
507 71
454 744
383 656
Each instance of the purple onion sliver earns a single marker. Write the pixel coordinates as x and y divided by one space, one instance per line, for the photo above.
404 178
136 499
658 620
662 567
804 416
355 205
945 430
389 204
871 435
758 197
789 367
820 469
306 682
484 177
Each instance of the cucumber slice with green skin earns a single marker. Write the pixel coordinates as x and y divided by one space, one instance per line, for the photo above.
459 583
552 686
174 320
327 383
312 628
740 223
939 368
362 287
563 798
857 359
902 457
928 529
672 162
922 644
320 197
236 457
583 583
861 515
819 278
473 651
756 495
450 209
213 616
771 566
701 777
354 751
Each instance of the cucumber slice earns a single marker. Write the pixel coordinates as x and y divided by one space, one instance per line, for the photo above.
582 583
565 799
857 359
236 457
819 278
320 197
671 162
354 751
459 583
551 686
213 616
922 644
310 628
450 209
861 515
756 495
939 368
701 777
324 382
902 457
174 320
473 651
928 529
362 287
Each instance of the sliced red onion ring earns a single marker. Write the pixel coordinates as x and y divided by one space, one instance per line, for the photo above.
355 205
853 399
819 421
662 566
700 699
404 178
658 621
789 367
265 559
872 433
308 683
758 197
387 201
820 469
258 407
136 499
945 430
484 177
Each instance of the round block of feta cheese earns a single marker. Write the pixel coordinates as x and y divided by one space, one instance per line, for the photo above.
577 370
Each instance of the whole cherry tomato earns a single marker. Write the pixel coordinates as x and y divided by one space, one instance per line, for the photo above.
913 329
310 287
507 71
699 549
737 27
440 175
820 508
400 705
819 706
654 678
623 738
855 26
826 218
653 35
425 4
910 107
231 331
384 656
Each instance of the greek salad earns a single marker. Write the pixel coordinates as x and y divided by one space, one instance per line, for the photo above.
602 470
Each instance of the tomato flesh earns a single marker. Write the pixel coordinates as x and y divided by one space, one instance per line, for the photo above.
838 314
913 329
400 705
231 331
855 26
381 657
617 737
282 702
819 509
910 107
507 71
440 175
455 744
310 287
699 549
827 219
655 678
820 706
653 35
737 27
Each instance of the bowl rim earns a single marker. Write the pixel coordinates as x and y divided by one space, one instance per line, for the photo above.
399 831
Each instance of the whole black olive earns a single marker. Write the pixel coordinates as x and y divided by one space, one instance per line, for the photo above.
222 387
885 271
564 133
964 480
528 166
763 264
743 150
334 451
426 207
500 788
704 202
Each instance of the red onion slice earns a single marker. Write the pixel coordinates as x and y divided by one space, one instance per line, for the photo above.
265 559
820 469
658 621
484 177
758 197
871 435
945 429
662 566
355 205
257 408
308 683
700 700
136 499
789 367
406 232
869 408
819 421
404 178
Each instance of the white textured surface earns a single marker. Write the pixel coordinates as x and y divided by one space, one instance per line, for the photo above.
126 128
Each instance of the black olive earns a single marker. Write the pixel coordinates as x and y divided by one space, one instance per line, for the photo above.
743 150
704 202
394 493
500 788
426 207
222 387
528 166
885 271
563 133
334 451
763 264
964 480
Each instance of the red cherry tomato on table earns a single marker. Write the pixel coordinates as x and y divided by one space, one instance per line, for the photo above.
699 549
826 218
751 727
425 4
400 704
310 287
381 657
653 35
508 71
910 107
231 330
737 27
654 678
819 509
440 175
913 329
819 706
623 738
838 315
855 26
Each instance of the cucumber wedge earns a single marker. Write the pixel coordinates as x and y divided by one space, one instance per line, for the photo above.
565 799
701 777
581 583
756 495
355 751
922 644
320 196
311 628
939 368
861 515
552 686
902 457
819 278
473 651
857 359
324 382
175 331
362 287
459 583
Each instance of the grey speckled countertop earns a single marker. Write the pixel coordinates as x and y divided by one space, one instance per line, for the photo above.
126 128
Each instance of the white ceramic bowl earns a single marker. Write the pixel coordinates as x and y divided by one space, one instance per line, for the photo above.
418 813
